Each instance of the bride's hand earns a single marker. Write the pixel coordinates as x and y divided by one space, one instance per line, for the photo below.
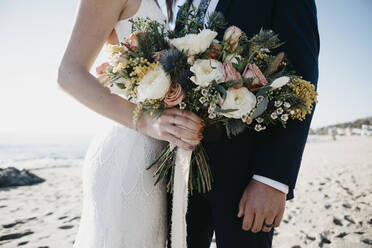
174 126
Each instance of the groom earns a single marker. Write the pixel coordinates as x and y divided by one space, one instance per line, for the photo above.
254 173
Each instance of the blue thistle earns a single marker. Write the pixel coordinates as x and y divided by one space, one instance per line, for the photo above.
173 62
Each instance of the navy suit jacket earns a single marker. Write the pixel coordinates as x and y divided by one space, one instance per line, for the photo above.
277 152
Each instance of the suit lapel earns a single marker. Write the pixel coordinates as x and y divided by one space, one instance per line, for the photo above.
223 6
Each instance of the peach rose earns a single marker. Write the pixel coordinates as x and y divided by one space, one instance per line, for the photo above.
232 36
215 50
102 68
174 96
229 72
252 71
131 42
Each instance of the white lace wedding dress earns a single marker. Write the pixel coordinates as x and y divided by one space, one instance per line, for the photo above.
121 207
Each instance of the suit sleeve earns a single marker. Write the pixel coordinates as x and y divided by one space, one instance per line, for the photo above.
279 150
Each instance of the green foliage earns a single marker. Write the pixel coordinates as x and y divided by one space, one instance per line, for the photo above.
241 64
244 44
151 37
164 165
266 39
183 78
187 20
216 21
190 24
200 177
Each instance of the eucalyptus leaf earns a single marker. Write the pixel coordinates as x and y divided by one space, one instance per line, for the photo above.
263 91
219 110
260 108
221 90
120 85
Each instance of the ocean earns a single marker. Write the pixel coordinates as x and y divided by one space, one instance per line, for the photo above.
38 151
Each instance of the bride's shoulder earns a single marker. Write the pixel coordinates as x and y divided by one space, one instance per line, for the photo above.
130 7
100 6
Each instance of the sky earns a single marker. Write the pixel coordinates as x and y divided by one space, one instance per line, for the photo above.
34 34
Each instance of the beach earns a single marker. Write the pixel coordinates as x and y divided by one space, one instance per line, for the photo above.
332 205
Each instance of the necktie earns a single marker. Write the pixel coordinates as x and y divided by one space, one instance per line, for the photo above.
202 10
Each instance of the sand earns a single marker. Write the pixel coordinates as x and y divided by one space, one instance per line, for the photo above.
49 211
332 205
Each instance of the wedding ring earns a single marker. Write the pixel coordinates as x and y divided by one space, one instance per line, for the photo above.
267 225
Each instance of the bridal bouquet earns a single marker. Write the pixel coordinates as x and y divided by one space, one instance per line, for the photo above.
236 81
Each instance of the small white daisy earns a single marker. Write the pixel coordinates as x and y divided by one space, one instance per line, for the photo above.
258 127
212 115
287 105
278 103
259 119
284 117
204 92
249 121
260 99
202 100
279 111
211 109
182 105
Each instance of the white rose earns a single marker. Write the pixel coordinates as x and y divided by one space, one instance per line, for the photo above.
280 82
240 99
205 71
194 43
154 85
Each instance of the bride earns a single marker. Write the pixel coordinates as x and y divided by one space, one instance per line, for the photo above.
121 205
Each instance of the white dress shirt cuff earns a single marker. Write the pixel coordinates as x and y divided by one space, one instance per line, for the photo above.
272 183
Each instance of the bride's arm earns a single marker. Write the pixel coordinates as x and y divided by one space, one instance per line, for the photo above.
95 21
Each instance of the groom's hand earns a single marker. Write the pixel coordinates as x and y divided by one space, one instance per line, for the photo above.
261 204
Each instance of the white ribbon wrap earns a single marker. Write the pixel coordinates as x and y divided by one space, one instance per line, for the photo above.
180 197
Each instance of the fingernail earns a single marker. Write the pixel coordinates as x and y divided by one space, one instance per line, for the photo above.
191 147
